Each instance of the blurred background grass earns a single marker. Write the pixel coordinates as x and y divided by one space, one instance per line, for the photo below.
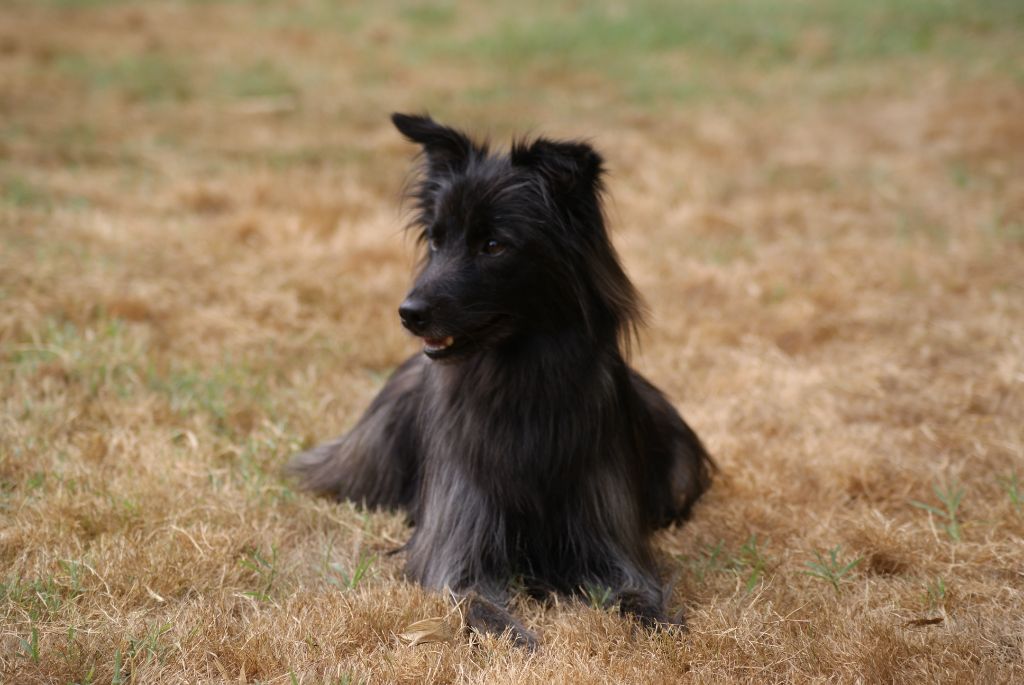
184 113
200 261
520 58
103 83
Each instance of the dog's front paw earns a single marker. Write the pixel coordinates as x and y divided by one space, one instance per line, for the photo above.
485 616
651 616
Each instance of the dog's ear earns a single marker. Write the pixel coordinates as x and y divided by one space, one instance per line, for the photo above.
446 149
568 166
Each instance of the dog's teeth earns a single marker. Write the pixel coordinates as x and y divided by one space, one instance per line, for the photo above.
437 344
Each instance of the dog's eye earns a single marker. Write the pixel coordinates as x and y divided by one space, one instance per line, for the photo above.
433 243
492 247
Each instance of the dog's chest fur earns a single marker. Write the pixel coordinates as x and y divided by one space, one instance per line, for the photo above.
504 461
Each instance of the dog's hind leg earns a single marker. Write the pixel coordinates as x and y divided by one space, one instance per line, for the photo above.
376 463
677 457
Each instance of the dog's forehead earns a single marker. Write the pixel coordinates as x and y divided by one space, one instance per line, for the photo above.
472 200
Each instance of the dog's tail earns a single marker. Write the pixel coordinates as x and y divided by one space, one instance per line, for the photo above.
375 463
320 469
359 466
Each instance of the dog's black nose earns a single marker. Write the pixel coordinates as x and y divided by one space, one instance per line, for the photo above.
415 315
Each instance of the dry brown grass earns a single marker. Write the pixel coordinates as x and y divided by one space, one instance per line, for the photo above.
201 259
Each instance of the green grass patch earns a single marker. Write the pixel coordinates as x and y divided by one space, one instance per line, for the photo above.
935 594
1014 491
829 30
1006 230
264 570
149 77
748 563
343 18
109 357
209 392
951 497
913 223
659 51
84 4
430 16
263 79
41 597
21 193
305 156
30 647
598 596
831 569
337 575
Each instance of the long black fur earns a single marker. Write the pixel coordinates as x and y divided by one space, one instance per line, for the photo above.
527 449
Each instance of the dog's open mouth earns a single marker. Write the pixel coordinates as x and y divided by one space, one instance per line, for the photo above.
437 347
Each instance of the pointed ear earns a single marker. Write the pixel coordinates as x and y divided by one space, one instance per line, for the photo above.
445 148
568 166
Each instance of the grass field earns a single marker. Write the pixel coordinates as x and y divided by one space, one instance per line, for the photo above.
201 258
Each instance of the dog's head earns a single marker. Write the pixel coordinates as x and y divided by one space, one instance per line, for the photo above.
516 244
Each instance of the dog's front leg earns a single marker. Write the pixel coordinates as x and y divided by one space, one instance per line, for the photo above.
648 609
636 590
459 546
616 554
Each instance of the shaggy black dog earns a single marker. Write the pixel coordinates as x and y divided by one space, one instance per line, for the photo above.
524 448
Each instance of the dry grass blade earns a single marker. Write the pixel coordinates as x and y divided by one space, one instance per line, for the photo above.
428 630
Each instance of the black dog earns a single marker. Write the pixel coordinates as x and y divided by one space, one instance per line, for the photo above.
521 443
